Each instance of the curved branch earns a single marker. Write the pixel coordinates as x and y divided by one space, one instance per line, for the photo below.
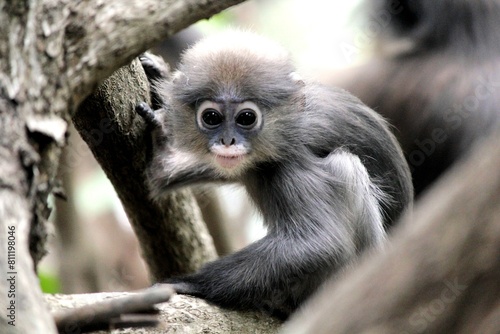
102 36
131 310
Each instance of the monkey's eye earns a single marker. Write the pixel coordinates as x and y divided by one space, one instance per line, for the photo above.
246 118
211 117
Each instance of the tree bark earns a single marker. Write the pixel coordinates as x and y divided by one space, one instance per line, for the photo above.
172 235
440 272
182 314
32 132
53 54
215 218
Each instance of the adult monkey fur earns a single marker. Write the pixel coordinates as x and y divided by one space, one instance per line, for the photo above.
322 168
435 76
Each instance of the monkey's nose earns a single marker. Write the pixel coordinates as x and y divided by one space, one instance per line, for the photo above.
231 141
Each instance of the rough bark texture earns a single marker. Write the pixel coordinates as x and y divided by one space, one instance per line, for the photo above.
215 218
441 271
182 314
53 54
172 235
31 130
135 309
103 35
20 296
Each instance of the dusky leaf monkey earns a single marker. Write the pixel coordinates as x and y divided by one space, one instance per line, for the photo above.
324 170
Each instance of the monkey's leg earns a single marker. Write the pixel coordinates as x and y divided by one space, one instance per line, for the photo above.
273 275
277 273
361 197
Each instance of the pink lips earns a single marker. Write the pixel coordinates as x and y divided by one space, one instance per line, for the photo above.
228 161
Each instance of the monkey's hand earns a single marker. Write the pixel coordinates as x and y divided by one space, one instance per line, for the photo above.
148 114
154 66
157 71
156 130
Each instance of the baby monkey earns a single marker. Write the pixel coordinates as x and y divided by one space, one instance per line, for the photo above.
323 169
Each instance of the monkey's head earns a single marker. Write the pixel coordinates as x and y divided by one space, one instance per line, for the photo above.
233 100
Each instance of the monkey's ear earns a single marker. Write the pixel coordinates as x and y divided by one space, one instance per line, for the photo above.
179 77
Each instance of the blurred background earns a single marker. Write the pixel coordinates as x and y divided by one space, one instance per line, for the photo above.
430 68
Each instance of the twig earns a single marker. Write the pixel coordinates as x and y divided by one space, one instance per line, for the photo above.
135 310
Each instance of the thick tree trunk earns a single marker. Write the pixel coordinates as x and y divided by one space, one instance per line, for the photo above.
32 131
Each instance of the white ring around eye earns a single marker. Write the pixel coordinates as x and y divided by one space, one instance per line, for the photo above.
203 106
252 106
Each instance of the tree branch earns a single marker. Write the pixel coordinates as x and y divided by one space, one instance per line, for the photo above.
172 235
182 314
120 312
103 35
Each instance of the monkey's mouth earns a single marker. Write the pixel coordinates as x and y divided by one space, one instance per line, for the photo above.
229 161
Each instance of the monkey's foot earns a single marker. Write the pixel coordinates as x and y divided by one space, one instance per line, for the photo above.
225 298
183 288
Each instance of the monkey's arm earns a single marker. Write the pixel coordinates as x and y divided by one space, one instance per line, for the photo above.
156 71
171 168
320 229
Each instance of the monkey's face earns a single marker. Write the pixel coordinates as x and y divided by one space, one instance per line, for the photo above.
232 102
233 123
229 127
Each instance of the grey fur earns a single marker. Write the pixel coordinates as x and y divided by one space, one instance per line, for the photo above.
323 169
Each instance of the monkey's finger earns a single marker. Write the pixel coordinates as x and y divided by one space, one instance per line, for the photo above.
145 111
154 66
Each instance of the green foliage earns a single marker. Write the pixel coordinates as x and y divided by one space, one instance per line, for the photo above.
49 282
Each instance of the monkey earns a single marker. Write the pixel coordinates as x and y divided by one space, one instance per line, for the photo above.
324 170
434 76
